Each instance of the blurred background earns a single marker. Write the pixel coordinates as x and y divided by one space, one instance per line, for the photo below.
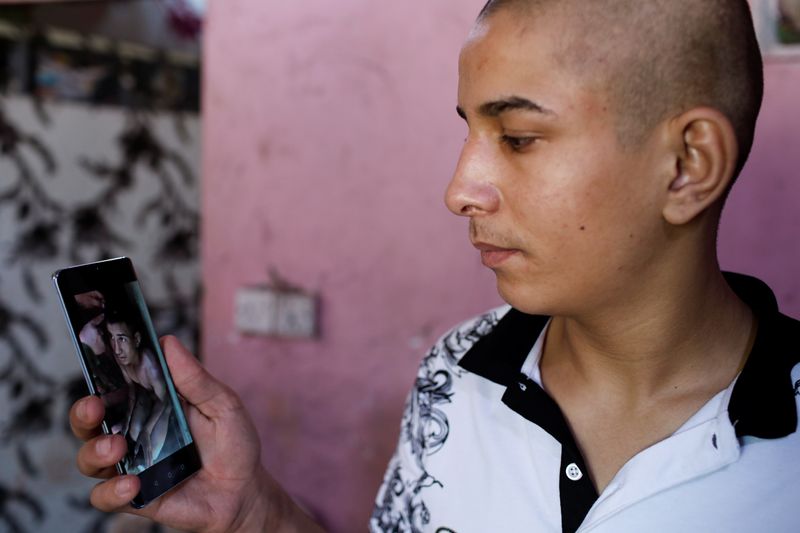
235 147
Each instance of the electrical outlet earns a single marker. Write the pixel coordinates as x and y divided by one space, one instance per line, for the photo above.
297 314
256 311
274 312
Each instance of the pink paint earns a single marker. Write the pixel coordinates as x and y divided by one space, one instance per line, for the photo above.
330 136
760 231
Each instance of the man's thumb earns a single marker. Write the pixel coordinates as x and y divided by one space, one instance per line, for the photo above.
192 381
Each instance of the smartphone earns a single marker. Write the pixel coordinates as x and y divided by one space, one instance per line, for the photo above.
123 364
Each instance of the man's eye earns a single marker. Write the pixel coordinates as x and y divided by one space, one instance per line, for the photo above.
517 143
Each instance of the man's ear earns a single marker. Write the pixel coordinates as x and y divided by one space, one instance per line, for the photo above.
137 337
705 157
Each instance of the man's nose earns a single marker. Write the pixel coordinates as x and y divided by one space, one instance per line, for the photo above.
471 191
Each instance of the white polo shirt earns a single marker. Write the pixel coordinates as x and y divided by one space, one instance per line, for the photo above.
483 448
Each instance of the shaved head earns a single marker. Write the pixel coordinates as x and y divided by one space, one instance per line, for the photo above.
655 59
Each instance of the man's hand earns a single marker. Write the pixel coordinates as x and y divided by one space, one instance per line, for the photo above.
91 336
143 444
232 492
91 300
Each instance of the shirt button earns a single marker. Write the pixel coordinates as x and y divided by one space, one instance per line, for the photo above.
573 472
523 387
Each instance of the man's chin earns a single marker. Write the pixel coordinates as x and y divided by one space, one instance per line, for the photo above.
523 296
509 291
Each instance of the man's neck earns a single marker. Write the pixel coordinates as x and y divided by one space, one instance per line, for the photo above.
693 334
631 376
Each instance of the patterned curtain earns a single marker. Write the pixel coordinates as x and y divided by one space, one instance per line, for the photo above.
77 184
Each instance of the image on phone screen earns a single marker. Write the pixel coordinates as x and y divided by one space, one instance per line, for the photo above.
124 365
124 360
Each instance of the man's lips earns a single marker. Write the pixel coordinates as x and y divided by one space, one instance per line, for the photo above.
493 256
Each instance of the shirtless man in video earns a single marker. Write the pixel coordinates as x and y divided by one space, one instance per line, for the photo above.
149 409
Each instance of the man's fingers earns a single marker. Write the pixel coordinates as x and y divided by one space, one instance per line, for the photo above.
115 494
193 381
97 457
85 417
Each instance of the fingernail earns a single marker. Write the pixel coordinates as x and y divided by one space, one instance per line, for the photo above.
103 446
123 486
82 414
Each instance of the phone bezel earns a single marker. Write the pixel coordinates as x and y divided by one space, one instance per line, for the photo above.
179 466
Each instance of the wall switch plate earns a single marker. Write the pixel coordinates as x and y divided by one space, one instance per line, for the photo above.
275 312
297 315
256 311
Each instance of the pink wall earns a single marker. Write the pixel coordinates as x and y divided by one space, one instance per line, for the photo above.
760 231
330 134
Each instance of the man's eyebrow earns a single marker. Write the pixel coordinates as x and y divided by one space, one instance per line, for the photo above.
512 103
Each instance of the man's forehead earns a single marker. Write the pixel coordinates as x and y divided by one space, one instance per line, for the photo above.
503 26
499 62
562 31
490 46
478 31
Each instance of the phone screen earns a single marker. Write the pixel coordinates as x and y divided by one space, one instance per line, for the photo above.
124 365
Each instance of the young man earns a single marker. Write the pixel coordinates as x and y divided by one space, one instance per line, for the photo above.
631 385
147 420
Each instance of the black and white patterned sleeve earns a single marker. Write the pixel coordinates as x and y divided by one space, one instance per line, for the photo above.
400 505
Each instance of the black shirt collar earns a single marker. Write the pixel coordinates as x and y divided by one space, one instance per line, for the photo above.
762 403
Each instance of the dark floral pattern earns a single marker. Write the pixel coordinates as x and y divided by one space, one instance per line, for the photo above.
138 200
21 500
400 506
